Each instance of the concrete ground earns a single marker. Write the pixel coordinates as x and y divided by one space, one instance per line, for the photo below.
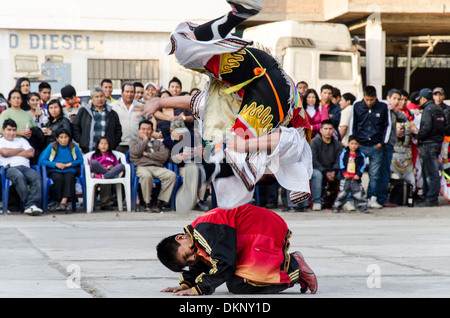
393 252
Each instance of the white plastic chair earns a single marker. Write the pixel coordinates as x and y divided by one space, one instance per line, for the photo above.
123 179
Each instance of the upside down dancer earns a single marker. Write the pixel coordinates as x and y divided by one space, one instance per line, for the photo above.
250 93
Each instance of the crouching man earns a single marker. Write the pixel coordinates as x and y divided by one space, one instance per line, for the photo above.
236 247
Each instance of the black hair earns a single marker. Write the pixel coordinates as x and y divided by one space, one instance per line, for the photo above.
175 80
404 93
145 121
336 92
370 91
301 82
193 90
105 80
9 122
15 90
33 94
43 86
164 92
326 122
311 91
350 97
97 152
20 81
166 251
326 86
394 91
63 131
61 111
353 137
127 84
138 84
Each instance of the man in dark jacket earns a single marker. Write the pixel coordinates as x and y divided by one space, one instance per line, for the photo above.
430 137
325 152
95 120
372 124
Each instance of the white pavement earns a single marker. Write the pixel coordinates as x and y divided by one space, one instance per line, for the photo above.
396 252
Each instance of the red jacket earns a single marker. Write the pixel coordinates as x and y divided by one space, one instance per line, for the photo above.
248 241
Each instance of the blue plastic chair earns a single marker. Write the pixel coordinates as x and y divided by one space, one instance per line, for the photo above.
135 184
6 184
47 182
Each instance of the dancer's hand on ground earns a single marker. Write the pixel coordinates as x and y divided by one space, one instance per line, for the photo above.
174 289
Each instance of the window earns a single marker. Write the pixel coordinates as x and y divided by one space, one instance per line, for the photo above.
121 71
335 67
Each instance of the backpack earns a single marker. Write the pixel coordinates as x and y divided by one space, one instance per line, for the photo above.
400 191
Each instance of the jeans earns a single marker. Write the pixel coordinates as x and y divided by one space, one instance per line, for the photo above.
385 174
316 186
430 171
375 165
21 177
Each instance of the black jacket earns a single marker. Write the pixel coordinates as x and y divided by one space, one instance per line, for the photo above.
325 156
432 124
83 125
371 125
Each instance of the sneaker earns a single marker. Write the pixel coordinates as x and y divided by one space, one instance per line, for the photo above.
349 206
148 207
245 8
389 205
336 210
187 194
33 210
373 204
307 279
317 207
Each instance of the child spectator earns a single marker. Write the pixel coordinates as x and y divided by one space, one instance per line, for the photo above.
352 164
39 114
56 121
72 104
62 157
103 162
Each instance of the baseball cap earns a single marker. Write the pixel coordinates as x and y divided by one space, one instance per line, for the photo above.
414 98
438 90
427 93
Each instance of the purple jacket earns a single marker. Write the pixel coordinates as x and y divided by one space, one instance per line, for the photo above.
106 160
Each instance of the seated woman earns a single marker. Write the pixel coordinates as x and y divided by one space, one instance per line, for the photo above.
56 121
62 157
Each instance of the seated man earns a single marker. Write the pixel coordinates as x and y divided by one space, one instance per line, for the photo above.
325 151
149 156
235 247
186 149
14 155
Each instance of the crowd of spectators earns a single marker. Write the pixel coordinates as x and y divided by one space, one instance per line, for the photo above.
398 137
38 130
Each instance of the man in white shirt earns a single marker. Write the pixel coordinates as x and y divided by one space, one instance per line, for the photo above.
14 155
128 119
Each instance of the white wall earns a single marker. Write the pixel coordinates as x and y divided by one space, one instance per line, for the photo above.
134 29
107 15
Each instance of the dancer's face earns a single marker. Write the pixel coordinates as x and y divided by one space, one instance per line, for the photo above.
185 255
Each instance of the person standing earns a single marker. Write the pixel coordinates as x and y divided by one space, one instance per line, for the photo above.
372 124
430 137
128 119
